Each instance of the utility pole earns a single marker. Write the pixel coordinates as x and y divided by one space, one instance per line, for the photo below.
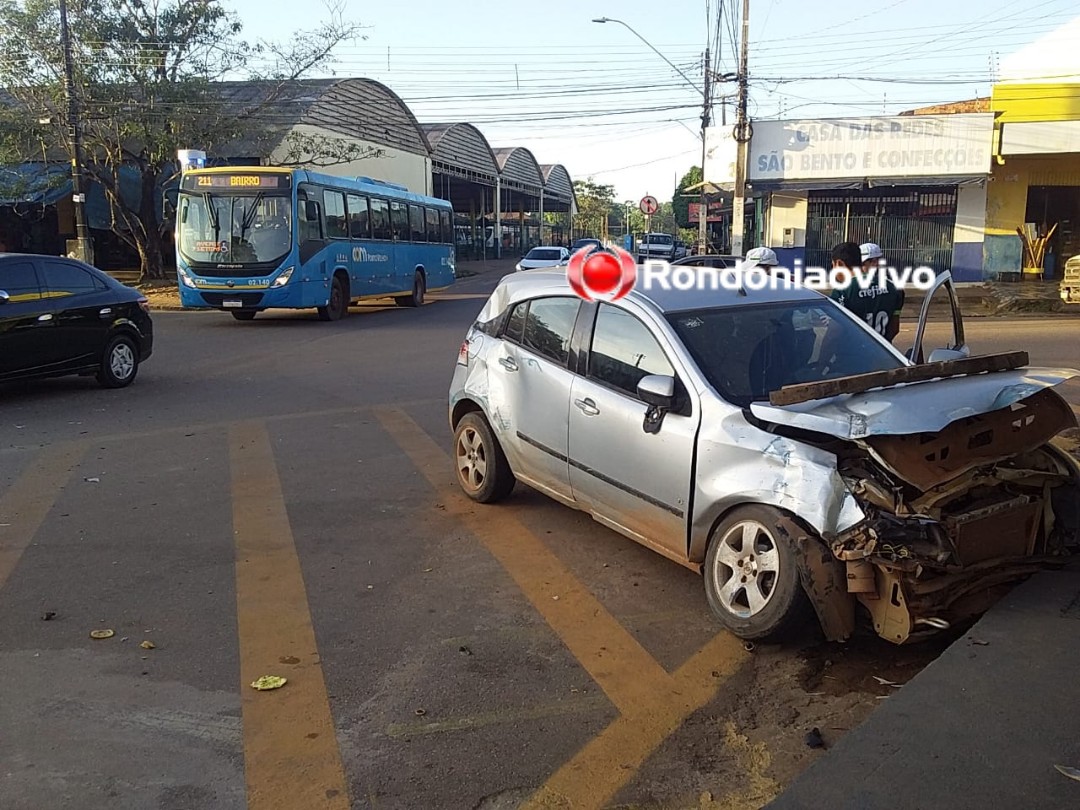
83 248
742 137
703 206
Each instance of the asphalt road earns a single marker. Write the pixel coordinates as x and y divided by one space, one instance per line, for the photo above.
276 498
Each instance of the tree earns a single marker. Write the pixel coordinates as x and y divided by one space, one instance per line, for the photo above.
594 202
148 79
680 202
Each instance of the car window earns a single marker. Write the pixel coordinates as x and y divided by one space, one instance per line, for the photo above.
746 352
548 326
62 279
544 253
19 281
624 350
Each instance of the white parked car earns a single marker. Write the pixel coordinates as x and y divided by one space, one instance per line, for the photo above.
543 257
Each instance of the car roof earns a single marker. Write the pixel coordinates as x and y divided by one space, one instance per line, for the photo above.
552 281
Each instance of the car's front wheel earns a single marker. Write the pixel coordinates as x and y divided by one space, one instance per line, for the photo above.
482 469
120 363
752 575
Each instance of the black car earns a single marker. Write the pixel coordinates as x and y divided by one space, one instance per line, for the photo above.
583 243
59 316
710 260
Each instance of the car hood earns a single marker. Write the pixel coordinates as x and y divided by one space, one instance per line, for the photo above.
533 264
918 407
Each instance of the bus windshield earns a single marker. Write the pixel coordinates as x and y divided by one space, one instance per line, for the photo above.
235 229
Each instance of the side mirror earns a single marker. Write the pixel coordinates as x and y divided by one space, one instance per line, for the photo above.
657 391
311 211
4 297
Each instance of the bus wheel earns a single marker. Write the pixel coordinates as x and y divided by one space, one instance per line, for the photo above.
338 306
244 314
416 298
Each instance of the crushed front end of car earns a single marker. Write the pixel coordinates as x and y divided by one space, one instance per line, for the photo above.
955 513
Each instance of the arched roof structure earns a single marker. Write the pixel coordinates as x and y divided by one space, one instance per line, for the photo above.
462 150
519 169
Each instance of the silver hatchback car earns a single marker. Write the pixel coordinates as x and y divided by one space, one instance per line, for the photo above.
776 444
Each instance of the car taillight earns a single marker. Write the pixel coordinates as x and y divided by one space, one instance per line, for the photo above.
463 354
144 304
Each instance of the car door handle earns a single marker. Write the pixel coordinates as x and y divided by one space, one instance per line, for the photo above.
508 363
106 312
46 317
587 407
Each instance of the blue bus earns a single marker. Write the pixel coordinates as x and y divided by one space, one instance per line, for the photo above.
250 239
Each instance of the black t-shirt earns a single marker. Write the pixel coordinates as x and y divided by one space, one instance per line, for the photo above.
878 306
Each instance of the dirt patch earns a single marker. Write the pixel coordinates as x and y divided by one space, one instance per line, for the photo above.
161 295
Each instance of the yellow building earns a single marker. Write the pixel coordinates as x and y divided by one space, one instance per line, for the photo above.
1035 175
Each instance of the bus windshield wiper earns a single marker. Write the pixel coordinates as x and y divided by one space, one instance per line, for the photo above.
212 213
250 218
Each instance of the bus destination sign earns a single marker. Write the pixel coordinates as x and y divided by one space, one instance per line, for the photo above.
236 182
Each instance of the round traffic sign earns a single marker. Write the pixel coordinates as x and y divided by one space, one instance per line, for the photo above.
649 205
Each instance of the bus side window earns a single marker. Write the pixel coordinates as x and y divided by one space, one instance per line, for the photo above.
359 220
399 219
336 226
432 215
380 220
310 221
447 231
416 224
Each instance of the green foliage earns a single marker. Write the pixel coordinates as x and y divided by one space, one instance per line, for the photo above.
681 203
147 77
594 203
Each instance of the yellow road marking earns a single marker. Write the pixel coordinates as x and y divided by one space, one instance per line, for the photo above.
291 755
611 656
652 703
27 502
583 705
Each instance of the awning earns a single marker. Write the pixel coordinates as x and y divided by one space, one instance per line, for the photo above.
856 184
955 180
34 184
806 185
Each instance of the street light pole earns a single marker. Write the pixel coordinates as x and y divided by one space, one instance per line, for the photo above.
706 111
742 138
84 247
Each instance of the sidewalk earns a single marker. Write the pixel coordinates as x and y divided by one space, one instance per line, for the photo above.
981 727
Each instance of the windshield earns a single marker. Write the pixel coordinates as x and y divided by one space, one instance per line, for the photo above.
746 352
544 253
580 243
658 239
223 229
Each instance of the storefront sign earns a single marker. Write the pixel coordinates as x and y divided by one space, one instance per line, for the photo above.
897 146
716 211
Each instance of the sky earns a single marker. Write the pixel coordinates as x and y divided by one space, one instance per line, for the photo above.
598 100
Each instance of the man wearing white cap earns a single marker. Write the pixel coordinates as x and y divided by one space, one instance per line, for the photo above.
762 257
889 299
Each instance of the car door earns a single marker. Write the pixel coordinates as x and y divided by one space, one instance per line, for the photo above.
529 374
82 310
636 480
26 323
958 348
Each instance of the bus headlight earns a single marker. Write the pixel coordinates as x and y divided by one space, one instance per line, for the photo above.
283 279
185 278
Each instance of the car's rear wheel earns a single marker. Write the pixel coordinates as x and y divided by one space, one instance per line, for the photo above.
752 576
120 363
482 469
244 315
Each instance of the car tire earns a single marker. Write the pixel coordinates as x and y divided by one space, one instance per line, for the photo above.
483 473
244 315
338 305
119 363
752 576
416 297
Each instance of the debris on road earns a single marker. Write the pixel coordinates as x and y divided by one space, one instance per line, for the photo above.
979 642
268 682
886 682
101 634
147 645
464 651
1065 770
92 480
420 712
48 615
814 739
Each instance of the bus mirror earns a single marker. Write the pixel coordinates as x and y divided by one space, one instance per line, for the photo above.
311 211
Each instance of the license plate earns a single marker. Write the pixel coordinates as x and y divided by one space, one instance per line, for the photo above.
232 304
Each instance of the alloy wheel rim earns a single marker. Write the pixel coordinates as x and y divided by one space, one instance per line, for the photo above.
122 361
747 568
471 459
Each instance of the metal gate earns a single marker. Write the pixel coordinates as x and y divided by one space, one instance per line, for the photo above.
914 227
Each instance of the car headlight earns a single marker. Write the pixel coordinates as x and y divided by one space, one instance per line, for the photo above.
185 278
283 279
